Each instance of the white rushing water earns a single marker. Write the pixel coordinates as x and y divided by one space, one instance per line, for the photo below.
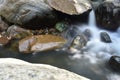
96 51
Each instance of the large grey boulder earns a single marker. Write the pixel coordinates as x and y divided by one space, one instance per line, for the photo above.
108 14
71 7
27 12
13 69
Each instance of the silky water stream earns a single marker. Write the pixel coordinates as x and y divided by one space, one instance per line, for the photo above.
91 61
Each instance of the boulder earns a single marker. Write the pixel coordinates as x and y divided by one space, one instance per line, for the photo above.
105 37
32 13
14 69
71 7
108 14
40 43
114 63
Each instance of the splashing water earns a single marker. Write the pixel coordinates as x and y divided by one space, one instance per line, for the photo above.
97 51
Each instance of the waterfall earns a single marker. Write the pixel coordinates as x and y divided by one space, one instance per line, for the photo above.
92 19
92 25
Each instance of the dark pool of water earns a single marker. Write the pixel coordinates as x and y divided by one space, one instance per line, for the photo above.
61 59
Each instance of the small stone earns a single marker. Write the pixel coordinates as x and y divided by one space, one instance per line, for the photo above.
105 37
79 42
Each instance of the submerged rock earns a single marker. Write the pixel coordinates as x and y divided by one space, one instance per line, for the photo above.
71 7
14 69
105 37
28 12
87 33
114 63
40 43
108 14
79 42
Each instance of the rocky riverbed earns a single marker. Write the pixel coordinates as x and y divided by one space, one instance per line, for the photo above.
29 27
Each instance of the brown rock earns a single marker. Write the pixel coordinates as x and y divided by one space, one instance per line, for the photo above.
3 40
40 43
71 7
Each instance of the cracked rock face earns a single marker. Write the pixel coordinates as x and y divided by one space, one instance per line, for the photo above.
71 7
14 69
22 11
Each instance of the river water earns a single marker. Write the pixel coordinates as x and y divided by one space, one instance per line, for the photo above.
91 61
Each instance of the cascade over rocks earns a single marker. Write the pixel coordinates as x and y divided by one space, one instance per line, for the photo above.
108 14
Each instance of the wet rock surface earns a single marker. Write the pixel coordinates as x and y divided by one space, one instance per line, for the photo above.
105 37
40 43
14 69
87 33
108 14
79 42
114 63
71 7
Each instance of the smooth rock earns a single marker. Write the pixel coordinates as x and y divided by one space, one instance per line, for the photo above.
14 69
114 63
40 43
32 13
71 7
108 14
105 37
